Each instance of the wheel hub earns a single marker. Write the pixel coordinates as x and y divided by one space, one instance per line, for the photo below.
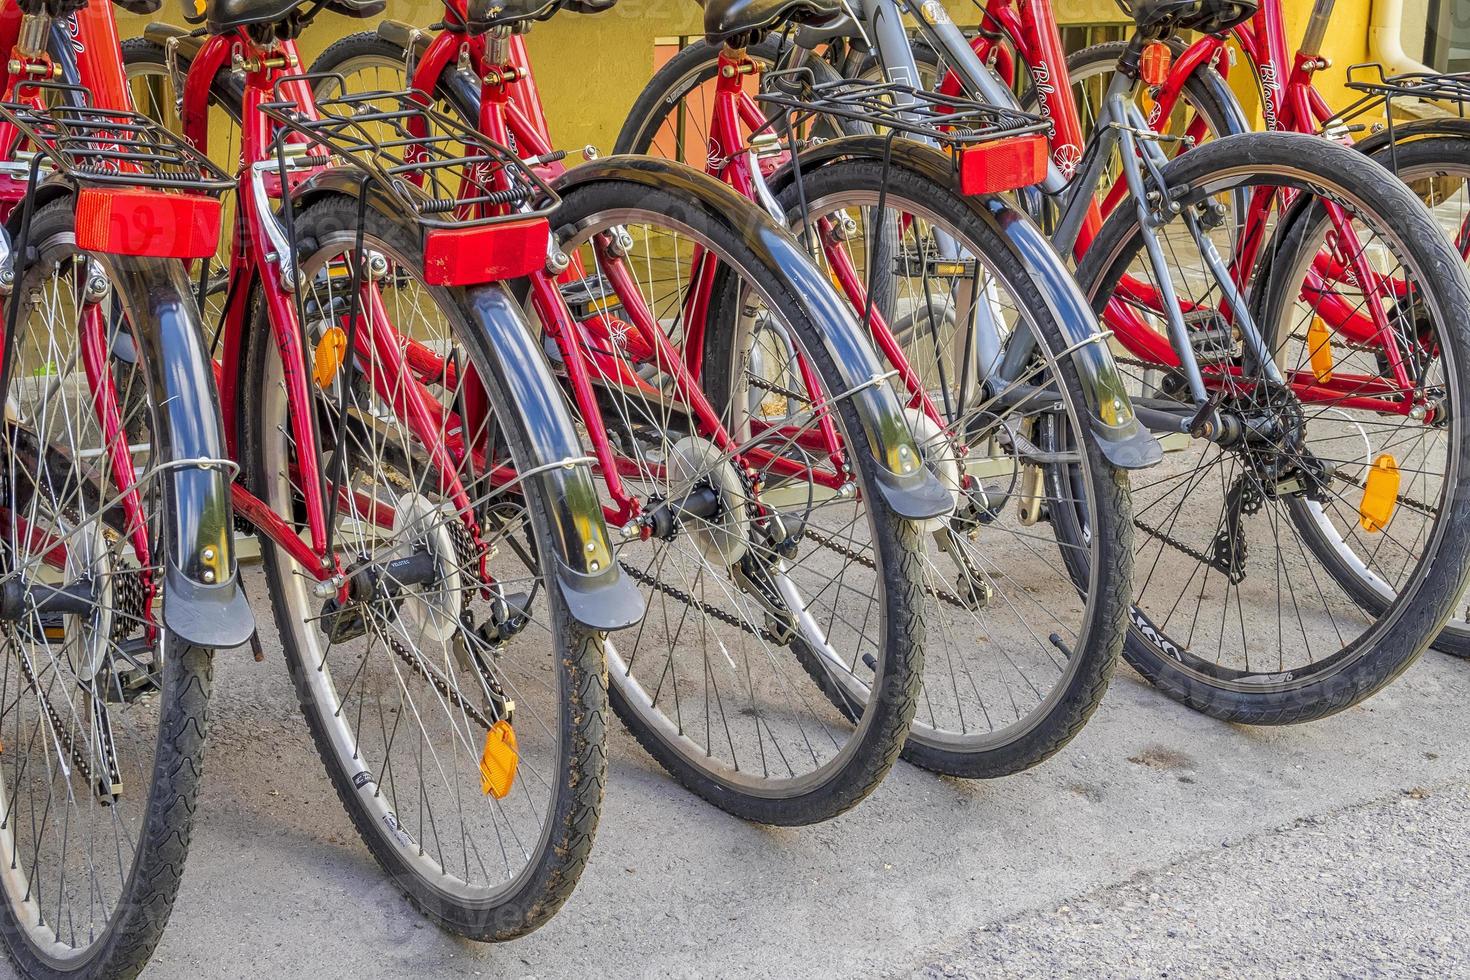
429 611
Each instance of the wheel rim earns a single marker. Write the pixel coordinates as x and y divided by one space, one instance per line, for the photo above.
428 808
84 688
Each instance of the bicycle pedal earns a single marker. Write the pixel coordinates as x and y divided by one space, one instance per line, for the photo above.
590 296
1211 337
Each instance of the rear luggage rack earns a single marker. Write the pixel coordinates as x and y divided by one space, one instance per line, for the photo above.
443 172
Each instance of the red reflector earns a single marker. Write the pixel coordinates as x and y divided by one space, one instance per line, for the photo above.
1153 64
139 221
486 253
1003 165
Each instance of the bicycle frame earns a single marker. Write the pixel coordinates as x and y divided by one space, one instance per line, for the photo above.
510 112
1031 27
260 255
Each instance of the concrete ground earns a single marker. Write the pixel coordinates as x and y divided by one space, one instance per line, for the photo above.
1159 843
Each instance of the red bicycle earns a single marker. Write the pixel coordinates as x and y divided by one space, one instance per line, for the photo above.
1333 464
772 674
117 569
438 563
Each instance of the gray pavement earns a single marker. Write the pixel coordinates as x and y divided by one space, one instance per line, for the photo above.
1159 843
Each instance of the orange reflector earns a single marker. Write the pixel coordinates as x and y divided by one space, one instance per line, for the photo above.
1153 64
1380 494
485 253
1319 347
331 351
135 221
1003 165
498 763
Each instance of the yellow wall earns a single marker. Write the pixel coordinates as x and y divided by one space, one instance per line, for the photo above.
591 67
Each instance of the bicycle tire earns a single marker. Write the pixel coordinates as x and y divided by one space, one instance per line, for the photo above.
1081 684
563 846
1400 634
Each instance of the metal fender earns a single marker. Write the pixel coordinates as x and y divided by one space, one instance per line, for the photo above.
1122 439
911 490
203 603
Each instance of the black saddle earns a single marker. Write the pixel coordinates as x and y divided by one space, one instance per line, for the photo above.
734 20
221 16
1160 18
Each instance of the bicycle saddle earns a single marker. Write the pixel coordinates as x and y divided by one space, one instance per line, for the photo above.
725 20
481 15
221 16
1159 18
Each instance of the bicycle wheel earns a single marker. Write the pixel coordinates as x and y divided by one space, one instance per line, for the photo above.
1022 634
461 718
1253 545
803 559
103 713
1437 170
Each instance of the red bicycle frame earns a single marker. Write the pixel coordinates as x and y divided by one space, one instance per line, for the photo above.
402 368
511 114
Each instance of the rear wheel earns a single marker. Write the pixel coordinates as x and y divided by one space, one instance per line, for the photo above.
103 713
460 716
1023 630
1258 551
803 563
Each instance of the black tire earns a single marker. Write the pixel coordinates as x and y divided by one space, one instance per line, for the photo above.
527 901
1105 564
161 833
855 771
1405 628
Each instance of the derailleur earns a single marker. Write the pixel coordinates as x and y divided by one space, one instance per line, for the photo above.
753 576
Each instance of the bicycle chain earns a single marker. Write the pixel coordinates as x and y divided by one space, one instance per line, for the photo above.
841 549
466 554
713 612
58 727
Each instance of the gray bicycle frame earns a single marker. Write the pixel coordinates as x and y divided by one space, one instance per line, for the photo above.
1121 127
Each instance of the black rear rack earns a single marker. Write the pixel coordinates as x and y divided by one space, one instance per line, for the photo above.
894 108
90 145
443 172
1380 89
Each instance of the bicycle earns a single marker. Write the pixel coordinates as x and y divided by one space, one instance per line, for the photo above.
718 501
1428 154
117 565
439 567
1183 348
